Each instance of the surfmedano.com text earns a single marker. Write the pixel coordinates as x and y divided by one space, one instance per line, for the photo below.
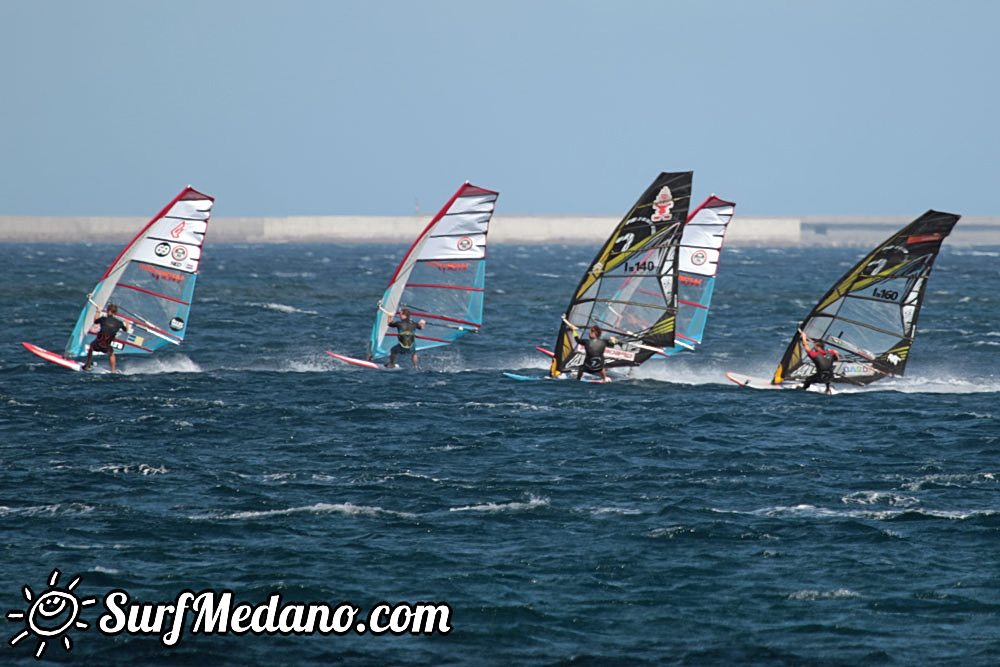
214 613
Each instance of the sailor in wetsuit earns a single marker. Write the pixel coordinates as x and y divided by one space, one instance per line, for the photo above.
109 328
823 359
406 338
594 352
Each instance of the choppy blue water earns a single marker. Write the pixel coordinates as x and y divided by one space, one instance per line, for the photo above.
670 518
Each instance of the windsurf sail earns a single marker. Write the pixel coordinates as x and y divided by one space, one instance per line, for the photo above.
442 277
701 245
630 288
152 280
870 315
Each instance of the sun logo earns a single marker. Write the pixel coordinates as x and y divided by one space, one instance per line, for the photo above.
51 614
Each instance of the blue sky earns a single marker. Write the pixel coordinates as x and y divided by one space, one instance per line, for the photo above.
310 107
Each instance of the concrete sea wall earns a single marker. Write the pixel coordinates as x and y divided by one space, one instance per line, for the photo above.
507 229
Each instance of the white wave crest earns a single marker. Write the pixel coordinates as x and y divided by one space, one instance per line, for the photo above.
879 497
840 593
531 504
347 509
157 365
282 308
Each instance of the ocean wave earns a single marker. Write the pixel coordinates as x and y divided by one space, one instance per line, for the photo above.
128 468
532 503
879 497
346 509
615 510
670 531
953 480
157 365
812 511
282 308
837 594
67 509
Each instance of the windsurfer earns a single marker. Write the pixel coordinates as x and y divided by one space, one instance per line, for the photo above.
822 358
109 328
594 353
405 338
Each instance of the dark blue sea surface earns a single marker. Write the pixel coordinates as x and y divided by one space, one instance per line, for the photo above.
671 517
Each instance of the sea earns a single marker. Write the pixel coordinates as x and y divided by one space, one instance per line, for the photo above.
667 517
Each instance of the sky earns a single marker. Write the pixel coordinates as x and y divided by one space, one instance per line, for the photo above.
384 107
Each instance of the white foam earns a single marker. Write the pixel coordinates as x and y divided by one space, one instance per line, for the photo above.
955 480
879 497
127 468
531 504
156 365
347 509
811 511
58 508
282 308
670 532
837 594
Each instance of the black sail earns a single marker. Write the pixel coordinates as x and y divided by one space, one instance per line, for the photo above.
630 288
870 315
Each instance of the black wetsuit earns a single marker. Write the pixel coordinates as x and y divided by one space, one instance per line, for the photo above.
406 337
110 326
593 353
823 359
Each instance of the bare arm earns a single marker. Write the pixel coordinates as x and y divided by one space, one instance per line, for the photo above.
805 341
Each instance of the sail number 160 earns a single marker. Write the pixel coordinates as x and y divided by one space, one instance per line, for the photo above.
887 294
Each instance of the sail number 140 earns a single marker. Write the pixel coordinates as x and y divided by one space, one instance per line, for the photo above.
648 265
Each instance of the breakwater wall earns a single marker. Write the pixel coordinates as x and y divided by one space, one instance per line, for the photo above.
746 230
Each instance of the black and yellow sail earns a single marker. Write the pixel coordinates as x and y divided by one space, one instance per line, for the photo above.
630 288
870 315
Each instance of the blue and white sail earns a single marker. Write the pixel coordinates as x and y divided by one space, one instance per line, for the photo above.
442 277
152 280
701 245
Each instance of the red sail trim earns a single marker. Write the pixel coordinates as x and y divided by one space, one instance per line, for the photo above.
711 202
693 340
923 239
436 340
151 327
156 294
446 319
459 287
156 218
130 344
691 303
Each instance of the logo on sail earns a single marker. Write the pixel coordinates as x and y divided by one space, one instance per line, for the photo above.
699 258
160 274
465 243
178 230
449 266
662 204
